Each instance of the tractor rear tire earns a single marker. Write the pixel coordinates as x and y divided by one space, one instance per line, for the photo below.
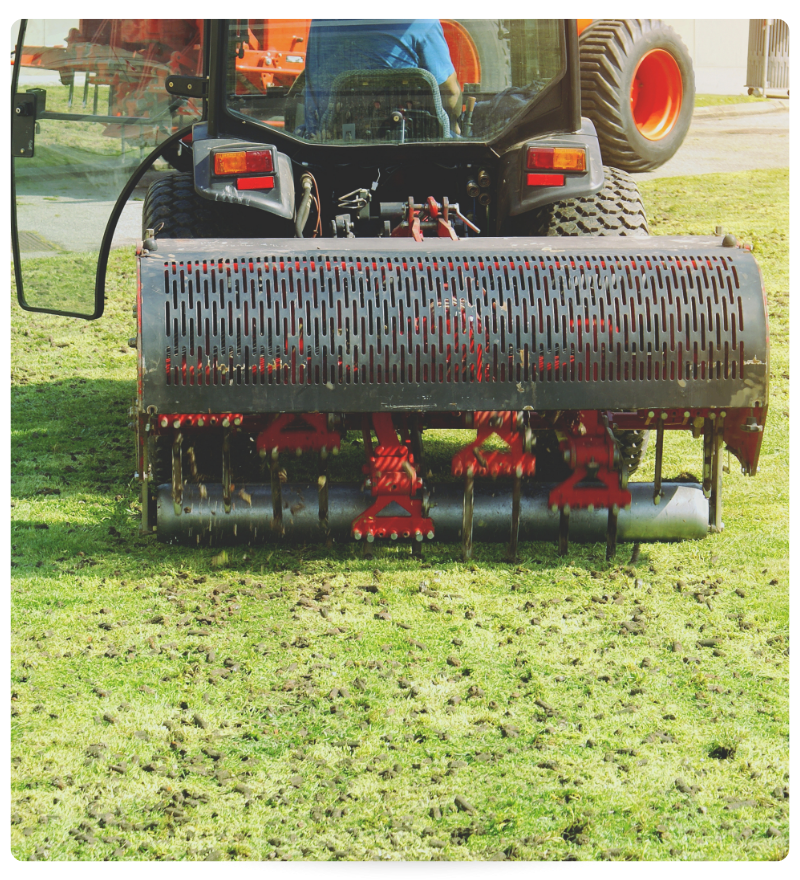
173 209
637 87
616 210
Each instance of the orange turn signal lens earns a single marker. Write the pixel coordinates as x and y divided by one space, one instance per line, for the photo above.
556 158
243 162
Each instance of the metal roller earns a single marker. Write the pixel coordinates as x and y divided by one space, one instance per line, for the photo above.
683 514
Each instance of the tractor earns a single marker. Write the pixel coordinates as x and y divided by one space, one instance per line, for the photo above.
361 255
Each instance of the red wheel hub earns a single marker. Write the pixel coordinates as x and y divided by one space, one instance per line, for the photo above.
656 94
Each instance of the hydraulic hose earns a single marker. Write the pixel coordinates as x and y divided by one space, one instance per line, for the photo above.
305 206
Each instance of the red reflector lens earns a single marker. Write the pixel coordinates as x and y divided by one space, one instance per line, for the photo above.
255 183
243 162
545 180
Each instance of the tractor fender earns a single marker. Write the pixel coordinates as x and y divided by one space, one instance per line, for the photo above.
279 200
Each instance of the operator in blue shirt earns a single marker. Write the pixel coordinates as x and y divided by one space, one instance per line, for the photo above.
335 46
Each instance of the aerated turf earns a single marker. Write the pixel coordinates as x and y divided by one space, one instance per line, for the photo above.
310 703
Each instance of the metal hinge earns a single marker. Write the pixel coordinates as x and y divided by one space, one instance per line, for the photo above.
187 86
23 126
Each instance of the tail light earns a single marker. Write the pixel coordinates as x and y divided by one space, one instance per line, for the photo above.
248 162
549 159
556 159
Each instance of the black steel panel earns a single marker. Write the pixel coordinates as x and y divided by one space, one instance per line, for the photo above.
384 324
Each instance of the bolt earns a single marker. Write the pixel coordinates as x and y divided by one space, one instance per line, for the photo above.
567 509
722 414
651 415
176 423
335 450
663 415
590 508
357 535
298 452
323 453
226 423
393 536
200 422
370 537
554 508
275 453
262 453
147 428
615 509
164 422
237 421
430 535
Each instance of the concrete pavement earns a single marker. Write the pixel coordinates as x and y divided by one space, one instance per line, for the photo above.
731 137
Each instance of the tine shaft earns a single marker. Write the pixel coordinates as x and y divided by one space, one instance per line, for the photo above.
708 456
657 493
146 460
611 534
277 497
322 483
515 507
177 472
563 531
466 523
226 469
715 501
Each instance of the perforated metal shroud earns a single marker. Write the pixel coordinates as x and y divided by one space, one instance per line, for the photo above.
365 325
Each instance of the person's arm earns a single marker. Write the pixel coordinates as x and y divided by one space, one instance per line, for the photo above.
451 100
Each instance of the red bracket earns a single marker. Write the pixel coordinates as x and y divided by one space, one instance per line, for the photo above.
392 478
590 449
307 433
430 213
495 462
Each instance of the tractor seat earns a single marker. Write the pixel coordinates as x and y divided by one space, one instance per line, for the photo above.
386 105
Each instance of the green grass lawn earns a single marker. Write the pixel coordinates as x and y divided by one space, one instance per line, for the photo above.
290 703
717 100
